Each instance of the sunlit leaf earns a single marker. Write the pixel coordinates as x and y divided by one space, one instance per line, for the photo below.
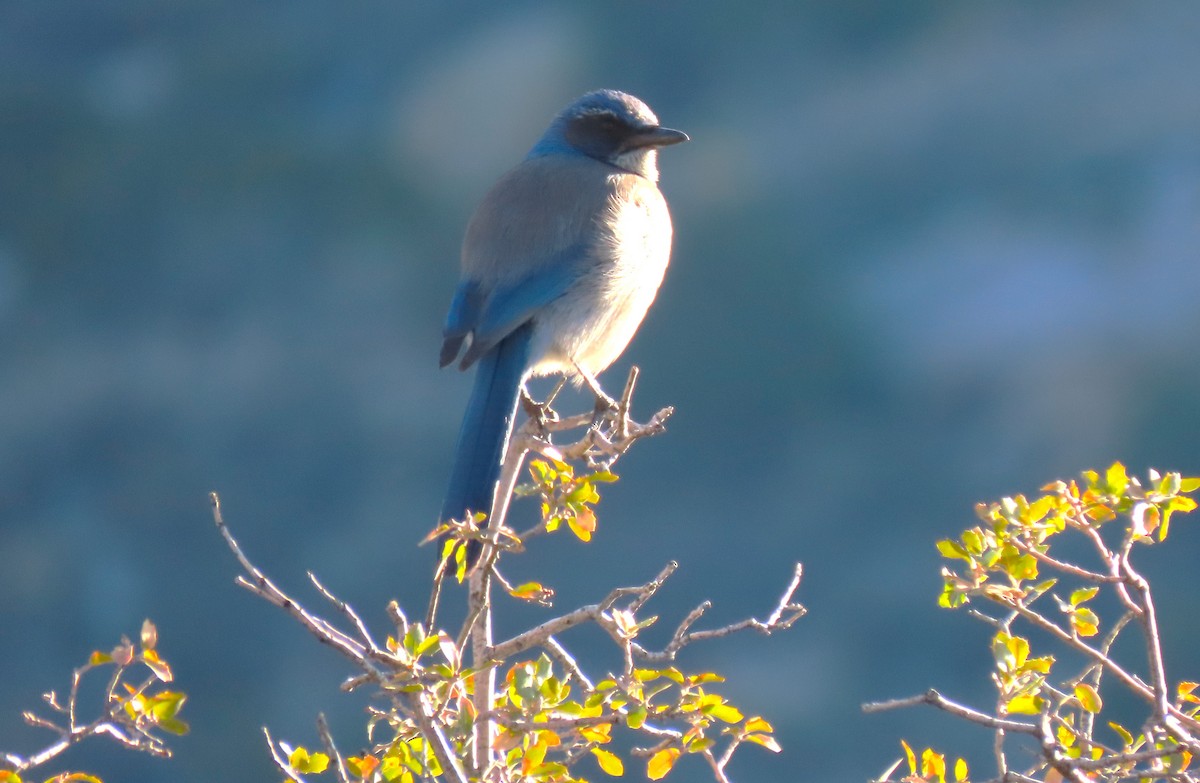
532 591
609 762
1088 698
1083 594
1024 704
583 524
758 724
725 712
1085 622
766 740
910 757
362 766
95 659
933 765
1115 479
952 549
149 635
660 763
635 717
304 762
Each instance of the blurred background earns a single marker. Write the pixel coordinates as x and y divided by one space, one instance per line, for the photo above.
926 254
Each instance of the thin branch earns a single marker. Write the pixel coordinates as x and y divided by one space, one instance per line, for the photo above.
1149 622
954 708
1067 568
327 740
280 761
347 612
442 748
567 661
264 588
785 613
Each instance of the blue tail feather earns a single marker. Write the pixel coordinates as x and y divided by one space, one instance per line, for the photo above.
486 428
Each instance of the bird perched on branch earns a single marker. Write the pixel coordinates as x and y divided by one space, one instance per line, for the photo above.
560 262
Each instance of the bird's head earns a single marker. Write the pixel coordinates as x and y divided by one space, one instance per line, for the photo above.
610 126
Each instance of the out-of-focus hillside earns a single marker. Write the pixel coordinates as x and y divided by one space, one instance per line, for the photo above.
926 254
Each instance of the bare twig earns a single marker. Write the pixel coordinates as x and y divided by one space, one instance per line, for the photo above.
343 774
785 613
954 708
280 762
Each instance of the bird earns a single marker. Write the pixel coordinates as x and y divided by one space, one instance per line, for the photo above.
560 262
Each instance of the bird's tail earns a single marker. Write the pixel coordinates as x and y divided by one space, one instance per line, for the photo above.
486 428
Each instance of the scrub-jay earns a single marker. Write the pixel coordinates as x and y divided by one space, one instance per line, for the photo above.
560 262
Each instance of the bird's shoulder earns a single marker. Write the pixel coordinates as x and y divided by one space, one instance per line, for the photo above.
537 211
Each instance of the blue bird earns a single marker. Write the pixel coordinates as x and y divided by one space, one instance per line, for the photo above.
560 262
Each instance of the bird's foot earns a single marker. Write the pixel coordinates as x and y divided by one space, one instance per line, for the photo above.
539 412
606 407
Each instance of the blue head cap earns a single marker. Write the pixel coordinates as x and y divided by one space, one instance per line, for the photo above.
610 126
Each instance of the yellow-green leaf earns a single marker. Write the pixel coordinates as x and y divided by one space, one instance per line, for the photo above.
1024 704
758 724
635 717
660 763
1125 736
532 591
766 740
952 549
304 762
583 524
1088 698
724 712
1083 594
609 762
910 757
1115 479
933 764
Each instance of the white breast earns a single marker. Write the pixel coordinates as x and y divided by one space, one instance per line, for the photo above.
594 322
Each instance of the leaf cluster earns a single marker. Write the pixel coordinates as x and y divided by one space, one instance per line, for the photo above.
135 713
1003 572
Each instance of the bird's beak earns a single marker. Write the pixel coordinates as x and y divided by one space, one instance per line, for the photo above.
656 137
